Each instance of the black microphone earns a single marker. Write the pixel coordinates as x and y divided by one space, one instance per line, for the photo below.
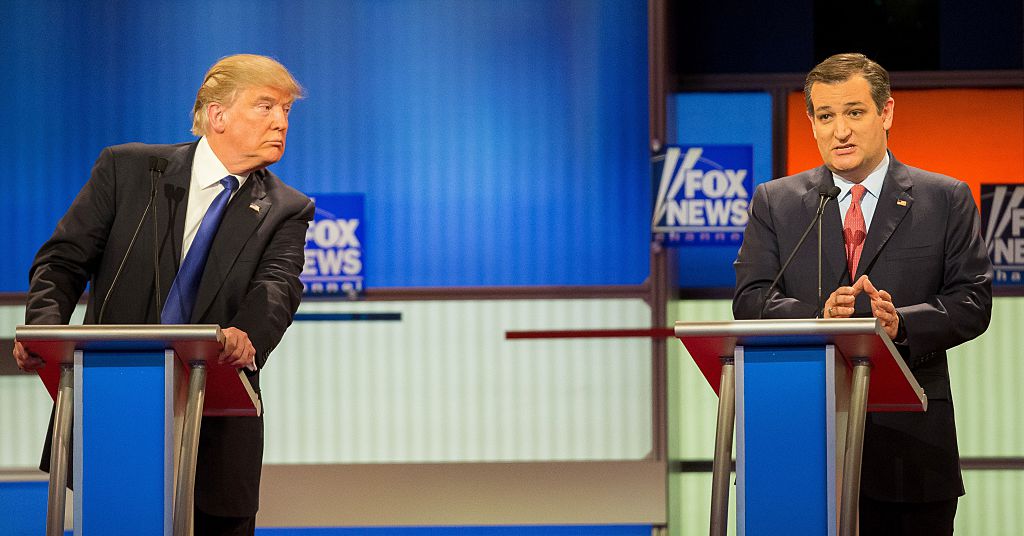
157 166
829 193
825 192
156 169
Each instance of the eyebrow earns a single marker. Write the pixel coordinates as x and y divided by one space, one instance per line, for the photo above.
272 100
850 104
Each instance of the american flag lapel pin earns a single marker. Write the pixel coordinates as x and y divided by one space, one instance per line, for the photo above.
256 207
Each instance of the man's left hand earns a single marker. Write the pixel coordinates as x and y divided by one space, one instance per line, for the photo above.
238 350
882 308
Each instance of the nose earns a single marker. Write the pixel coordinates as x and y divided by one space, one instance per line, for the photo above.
842 130
278 118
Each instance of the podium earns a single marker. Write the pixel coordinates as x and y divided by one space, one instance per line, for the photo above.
798 392
136 395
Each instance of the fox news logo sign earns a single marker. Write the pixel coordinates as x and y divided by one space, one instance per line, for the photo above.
703 194
334 246
1002 215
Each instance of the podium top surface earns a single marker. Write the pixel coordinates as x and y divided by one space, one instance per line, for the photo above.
892 387
752 330
118 336
229 391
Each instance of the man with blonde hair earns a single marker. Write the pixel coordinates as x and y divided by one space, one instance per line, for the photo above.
228 235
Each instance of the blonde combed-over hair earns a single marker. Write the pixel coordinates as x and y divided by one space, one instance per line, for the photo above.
233 74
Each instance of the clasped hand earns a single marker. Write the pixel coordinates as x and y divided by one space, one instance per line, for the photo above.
840 304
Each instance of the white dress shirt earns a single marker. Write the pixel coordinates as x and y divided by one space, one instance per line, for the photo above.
207 171
873 184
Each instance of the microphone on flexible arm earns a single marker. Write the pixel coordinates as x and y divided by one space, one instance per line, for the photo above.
156 169
157 166
829 193
825 193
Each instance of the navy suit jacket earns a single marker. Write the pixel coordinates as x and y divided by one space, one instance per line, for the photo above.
250 282
925 248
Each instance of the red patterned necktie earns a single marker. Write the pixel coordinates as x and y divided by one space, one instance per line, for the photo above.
854 230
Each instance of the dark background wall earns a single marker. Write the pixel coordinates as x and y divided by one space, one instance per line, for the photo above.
739 36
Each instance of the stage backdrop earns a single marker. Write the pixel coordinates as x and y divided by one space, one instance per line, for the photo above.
711 120
975 135
497 143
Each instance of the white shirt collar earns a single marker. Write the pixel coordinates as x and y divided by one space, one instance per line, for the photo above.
207 169
873 182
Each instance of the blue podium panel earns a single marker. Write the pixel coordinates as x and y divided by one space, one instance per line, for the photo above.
785 455
123 451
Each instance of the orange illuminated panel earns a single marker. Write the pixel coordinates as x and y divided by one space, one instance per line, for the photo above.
976 135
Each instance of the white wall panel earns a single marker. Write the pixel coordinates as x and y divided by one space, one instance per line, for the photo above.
24 406
444 385
986 375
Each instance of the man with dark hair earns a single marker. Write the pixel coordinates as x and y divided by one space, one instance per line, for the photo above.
230 246
903 245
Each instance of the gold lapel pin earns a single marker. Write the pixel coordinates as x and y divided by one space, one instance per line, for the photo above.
900 202
256 207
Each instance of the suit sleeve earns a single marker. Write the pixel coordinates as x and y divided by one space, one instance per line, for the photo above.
65 263
961 310
757 262
275 290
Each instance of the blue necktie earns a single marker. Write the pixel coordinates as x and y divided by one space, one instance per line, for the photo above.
182 296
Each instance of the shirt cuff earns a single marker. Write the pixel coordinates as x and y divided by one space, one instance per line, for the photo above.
901 331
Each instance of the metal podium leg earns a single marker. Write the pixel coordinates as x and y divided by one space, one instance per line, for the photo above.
722 467
59 452
183 494
854 448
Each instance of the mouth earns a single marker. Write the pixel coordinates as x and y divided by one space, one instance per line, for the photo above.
844 149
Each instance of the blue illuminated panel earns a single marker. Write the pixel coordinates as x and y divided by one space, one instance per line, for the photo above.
720 119
23 508
497 143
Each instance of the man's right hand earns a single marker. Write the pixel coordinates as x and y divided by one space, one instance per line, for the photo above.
26 361
840 303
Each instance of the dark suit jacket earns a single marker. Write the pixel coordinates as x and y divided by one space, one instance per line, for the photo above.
250 282
924 247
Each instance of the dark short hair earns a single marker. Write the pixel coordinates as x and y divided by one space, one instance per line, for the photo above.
840 68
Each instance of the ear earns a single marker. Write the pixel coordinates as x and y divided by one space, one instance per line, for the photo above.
215 117
887 112
811 119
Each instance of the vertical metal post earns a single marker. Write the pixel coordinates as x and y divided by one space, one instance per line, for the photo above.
722 468
63 415
848 519
186 480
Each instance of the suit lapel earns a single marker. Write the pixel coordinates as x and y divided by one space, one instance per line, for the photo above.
833 252
893 204
172 197
241 218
